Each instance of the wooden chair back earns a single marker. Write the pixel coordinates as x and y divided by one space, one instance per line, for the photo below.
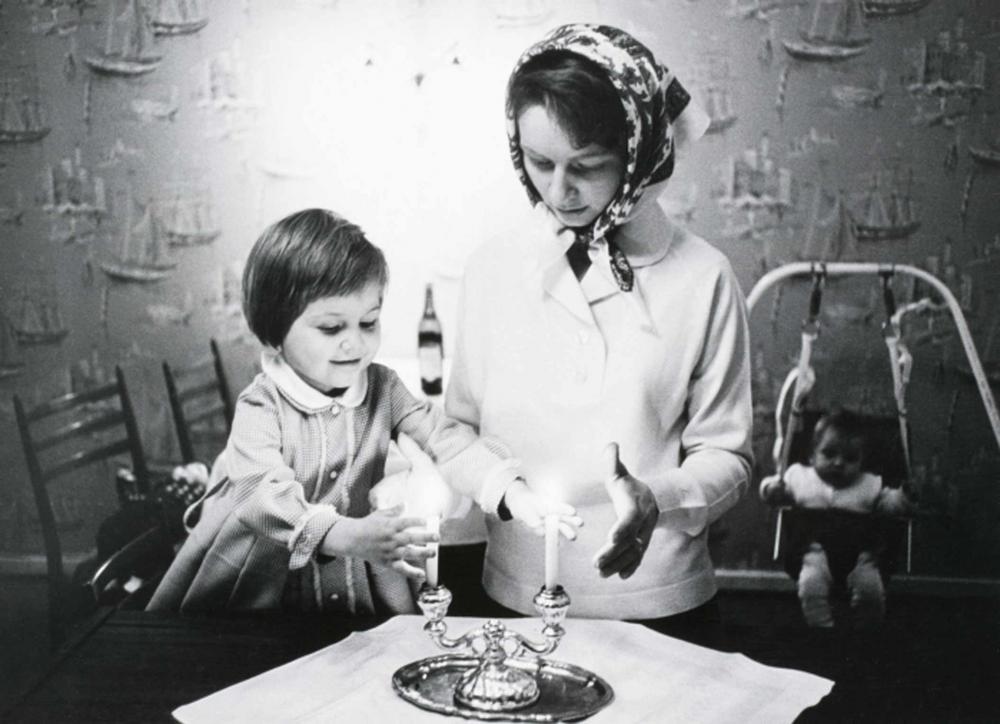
199 396
60 437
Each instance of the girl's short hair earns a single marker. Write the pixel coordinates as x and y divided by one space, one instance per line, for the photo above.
578 94
305 256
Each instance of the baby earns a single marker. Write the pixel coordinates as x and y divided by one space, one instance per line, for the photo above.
835 479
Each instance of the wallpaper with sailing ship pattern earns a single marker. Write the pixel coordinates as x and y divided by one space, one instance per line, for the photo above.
144 143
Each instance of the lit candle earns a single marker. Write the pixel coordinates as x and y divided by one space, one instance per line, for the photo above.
433 526
551 551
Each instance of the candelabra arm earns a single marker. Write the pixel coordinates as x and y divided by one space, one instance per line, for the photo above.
437 634
552 605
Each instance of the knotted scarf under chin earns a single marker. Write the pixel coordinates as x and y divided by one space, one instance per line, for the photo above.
578 256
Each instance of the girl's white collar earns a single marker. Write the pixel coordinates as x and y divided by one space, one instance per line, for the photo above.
303 395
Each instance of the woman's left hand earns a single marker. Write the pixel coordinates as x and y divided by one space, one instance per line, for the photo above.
637 515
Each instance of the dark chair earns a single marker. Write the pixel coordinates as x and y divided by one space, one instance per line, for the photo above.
128 576
201 405
60 438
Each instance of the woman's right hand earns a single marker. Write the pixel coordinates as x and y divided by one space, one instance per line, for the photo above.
531 509
385 538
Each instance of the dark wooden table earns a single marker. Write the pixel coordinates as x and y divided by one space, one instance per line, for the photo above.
138 667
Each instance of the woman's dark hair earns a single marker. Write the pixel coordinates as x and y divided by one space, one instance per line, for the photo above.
576 92
306 256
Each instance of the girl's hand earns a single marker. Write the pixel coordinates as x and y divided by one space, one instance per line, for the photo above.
531 509
637 515
385 538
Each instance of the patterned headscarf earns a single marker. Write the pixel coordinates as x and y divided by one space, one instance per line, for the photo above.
657 117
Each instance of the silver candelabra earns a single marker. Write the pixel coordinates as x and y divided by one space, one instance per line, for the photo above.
493 672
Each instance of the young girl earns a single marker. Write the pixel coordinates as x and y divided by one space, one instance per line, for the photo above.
836 479
598 335
288 524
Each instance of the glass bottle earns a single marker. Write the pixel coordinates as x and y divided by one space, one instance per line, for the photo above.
430 347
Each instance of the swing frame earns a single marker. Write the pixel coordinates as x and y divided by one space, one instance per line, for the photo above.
820 271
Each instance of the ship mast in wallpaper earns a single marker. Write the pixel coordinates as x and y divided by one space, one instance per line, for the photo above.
141 255
837 32
38 321
889 8
20 115
886 214
129 46
71 190
178 17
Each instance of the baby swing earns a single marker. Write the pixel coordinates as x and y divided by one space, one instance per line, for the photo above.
889 453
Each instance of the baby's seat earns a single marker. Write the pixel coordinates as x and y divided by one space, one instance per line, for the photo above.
845 534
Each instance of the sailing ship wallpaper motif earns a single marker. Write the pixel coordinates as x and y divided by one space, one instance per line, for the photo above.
141 251
946 65
129 44
38 319
887 210
11 360
754 181
178 17
139 142
187 216
891 8
21 117
857 96
837 32
987 152
71 189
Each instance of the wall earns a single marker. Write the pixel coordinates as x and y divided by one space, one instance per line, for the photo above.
391 113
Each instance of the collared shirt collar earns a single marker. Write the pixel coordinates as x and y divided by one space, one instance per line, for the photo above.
645 239
303 395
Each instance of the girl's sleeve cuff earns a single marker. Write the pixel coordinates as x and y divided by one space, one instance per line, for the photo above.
308 534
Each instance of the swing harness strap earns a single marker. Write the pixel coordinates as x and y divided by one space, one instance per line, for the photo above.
800 381
901 365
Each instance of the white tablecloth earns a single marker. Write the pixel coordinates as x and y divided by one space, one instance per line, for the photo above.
654 677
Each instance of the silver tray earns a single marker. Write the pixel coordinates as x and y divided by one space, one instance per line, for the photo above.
568 692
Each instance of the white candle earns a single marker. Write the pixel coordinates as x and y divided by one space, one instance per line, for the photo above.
551 551
433 526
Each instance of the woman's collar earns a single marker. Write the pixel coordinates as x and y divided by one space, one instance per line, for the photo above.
303 395
645 237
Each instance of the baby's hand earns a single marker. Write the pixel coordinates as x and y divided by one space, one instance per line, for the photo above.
531 509
385 538
773 490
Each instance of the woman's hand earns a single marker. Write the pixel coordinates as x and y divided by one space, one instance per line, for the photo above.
637 515
385 538
531 509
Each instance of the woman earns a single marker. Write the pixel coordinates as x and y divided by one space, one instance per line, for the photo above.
607 347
